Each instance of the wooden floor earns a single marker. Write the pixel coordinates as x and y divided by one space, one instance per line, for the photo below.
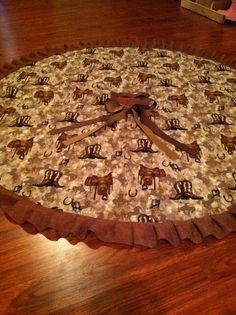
38 276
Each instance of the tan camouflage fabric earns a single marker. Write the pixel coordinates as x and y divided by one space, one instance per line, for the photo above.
117 173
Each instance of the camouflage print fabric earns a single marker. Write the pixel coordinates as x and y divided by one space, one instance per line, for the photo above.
117 173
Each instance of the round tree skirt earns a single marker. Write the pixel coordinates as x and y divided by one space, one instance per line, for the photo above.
133 144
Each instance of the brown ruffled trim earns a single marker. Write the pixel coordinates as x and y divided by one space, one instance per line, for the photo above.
55 224
8 68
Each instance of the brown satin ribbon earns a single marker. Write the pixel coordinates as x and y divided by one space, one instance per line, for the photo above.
119 105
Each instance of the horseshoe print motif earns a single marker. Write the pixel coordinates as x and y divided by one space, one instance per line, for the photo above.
117 172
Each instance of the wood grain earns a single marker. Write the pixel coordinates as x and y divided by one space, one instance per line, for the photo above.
38 276
203 10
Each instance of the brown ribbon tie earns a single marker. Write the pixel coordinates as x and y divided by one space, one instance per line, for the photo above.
140 106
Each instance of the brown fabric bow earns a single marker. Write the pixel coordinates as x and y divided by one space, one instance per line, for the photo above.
140 106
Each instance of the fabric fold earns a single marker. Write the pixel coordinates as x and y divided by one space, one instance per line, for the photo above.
54 224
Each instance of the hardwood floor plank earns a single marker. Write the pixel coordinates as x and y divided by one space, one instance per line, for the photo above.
38 276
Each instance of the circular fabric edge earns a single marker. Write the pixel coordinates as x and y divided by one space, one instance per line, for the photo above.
55 224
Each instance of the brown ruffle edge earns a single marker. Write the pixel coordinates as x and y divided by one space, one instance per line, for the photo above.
16 64
54 224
